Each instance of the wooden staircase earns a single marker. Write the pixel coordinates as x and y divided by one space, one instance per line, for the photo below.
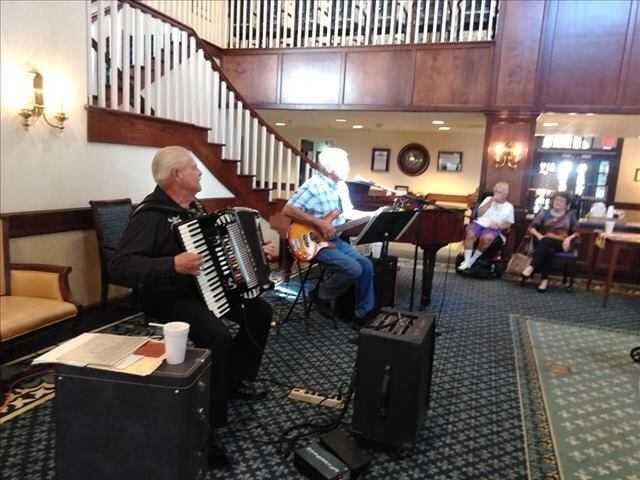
171 91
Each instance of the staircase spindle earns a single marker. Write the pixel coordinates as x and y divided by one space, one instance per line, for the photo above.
254 150
215 107
278 23
229 139
288 184
238 130
272 147
263 156
102 88
147 66
114 36
492 13
246 137
280 160
137 58
472 17
223 117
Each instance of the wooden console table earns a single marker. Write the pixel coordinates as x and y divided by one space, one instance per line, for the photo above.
617 241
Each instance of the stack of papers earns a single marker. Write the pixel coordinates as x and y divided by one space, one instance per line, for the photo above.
118 353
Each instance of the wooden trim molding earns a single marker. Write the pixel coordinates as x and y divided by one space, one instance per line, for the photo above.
4 224
627 205
43 222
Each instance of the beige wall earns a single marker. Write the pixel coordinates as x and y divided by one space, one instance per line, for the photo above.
627 190
358 143
43 168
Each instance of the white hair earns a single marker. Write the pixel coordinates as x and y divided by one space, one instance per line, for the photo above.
336 161
167 159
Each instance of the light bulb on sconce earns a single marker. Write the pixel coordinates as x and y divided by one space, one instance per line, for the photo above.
508 154
35 105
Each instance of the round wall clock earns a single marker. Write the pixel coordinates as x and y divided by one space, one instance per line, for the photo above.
413 159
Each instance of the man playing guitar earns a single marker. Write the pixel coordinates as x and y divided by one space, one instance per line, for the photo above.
323 202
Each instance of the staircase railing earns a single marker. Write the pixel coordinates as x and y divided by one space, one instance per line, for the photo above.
333 23
142 61
339 23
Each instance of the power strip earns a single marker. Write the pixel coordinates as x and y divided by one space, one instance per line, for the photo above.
316 398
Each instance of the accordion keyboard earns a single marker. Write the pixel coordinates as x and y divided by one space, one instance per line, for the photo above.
209 279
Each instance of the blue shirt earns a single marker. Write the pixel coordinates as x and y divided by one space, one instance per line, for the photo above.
320 196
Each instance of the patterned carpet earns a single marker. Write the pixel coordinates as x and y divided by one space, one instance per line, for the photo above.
474 428
582 407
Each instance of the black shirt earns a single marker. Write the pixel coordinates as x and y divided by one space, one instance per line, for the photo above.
144 259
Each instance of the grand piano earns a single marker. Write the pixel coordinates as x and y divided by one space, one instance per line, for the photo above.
435 227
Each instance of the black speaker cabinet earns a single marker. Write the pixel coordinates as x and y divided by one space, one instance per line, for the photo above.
384 281
127 427
394 364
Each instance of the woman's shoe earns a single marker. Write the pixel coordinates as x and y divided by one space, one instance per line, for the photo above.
542 287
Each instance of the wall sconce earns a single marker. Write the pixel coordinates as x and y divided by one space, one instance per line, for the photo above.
508 154
35 109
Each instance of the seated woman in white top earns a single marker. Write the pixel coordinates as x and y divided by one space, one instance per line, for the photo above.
495 214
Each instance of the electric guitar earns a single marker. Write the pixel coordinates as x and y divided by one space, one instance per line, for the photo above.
305 241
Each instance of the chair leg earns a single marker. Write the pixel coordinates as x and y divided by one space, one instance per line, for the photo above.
104 292
572 275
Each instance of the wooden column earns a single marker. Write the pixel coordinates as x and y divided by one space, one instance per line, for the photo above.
516 128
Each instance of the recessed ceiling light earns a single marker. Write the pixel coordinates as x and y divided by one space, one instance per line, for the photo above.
550 124
341 120
280 124
357 126
590 114
572 113
438 122
444 128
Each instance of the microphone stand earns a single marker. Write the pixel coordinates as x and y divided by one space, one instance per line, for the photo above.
421 203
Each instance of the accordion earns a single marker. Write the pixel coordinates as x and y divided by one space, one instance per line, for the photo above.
234 264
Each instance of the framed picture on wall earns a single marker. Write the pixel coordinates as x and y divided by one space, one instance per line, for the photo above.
636 178
449 161
380 159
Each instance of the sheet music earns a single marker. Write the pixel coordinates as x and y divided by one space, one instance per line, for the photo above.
93 349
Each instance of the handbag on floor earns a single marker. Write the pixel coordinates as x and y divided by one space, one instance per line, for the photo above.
517 263
521 260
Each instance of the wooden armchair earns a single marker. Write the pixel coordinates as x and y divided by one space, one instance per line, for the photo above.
32 296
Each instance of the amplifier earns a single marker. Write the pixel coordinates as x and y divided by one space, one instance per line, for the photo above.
393 381
112 425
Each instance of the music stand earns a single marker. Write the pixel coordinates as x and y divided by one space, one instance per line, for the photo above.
386 227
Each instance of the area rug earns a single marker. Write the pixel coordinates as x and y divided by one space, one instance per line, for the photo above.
580 399
32 387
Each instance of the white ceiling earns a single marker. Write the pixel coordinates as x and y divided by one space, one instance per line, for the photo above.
618 126
393 121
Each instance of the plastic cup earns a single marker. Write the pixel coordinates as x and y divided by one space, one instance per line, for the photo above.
608 226
175 341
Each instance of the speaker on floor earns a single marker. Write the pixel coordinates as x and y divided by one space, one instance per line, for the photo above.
116 426
393 380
